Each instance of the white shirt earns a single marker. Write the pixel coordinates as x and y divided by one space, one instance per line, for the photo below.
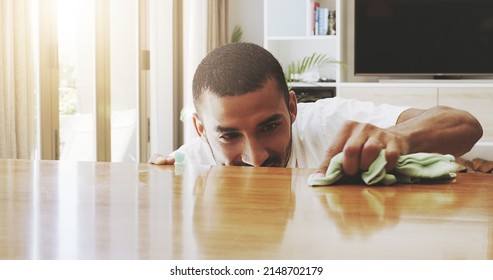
314 129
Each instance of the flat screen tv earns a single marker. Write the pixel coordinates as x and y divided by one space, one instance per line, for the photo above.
424 37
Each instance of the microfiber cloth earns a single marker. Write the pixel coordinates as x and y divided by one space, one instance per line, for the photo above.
409 169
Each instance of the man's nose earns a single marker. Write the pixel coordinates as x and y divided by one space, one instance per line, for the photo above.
254 153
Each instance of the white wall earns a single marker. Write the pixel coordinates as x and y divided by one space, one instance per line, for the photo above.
249 15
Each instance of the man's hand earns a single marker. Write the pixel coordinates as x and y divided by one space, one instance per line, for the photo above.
161 160
439 129
361 143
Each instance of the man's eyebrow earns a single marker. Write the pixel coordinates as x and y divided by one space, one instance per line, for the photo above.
275 117
270 119
222 129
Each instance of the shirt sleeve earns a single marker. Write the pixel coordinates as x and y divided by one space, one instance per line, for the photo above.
196 152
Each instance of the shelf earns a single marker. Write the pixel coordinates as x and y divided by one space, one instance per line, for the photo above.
421 84
301 84
301 38
311 92
288 34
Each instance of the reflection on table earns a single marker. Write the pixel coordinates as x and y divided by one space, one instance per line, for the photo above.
70 210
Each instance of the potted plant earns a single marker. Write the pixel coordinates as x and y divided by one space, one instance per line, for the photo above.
306 69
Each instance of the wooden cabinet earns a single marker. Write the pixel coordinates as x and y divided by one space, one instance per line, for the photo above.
474 98
417 97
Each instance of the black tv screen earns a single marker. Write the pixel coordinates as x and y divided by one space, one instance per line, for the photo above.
424 37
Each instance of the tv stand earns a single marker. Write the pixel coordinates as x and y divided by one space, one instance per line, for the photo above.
447 77
441 81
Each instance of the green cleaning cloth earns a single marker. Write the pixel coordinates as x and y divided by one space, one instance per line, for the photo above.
409 169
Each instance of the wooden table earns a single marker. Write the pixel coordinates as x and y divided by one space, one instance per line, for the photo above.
82 210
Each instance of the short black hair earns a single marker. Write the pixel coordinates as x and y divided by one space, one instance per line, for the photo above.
235 69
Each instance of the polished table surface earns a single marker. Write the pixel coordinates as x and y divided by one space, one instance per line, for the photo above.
84 210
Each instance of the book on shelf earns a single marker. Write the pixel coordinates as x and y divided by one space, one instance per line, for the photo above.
316 6
323 20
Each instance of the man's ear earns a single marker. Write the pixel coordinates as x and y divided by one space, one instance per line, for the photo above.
199 126
292 106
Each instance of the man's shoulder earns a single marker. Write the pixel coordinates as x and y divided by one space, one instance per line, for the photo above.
320 108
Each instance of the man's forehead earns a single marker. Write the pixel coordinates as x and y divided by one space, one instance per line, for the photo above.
270 85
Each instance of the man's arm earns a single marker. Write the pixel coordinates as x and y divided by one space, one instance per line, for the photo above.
439 129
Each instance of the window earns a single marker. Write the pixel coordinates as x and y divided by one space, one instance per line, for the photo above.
93 92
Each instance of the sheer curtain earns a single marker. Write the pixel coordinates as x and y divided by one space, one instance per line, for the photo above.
17 95
217 22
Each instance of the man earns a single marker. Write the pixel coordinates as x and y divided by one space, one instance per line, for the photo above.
245 115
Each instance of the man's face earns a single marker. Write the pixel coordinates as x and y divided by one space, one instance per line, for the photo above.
250 129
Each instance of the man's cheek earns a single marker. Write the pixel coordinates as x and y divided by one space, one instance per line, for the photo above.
224 153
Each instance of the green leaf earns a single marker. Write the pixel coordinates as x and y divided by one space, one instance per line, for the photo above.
305 64
236 34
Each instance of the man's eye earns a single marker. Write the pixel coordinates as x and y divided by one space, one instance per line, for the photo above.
228 136
272 127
